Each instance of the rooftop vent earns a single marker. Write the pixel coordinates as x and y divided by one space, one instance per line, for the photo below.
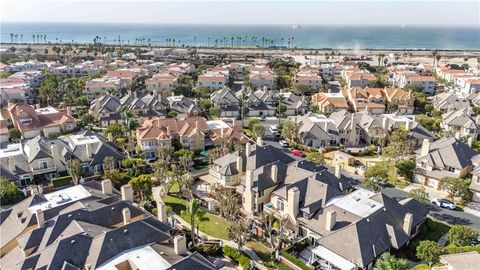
72 242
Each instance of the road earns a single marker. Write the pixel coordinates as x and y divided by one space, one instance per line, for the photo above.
450 216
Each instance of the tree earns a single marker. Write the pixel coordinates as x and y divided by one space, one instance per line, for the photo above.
290 131
74 170
115 130
142 185
48 88
258 130
315 157
405 168
196 214
460 235
429 251
14 134
399 145
9 192
379 170
300 89
87 119
228 203
389 262
239 231
420 195
452 185
215 112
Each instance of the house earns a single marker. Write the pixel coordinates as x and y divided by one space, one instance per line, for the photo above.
441 158
261 78
400 99
105 109
371 127
426 82
145 106
262 102
346 127
91 225
475 184
359 79
13 90
31 121
329 102
214 80
312 80
459 261
462 121
158 132
452 100
295 105
102 86
125 76
366 99
317 131
227 102
469 85
182 106
164 80
416 132
14 165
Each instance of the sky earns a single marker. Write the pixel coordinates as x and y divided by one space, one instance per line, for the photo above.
408 12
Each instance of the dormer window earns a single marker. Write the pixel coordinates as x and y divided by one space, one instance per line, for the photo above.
25 120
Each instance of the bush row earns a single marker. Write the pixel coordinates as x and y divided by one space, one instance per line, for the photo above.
236 256
61 181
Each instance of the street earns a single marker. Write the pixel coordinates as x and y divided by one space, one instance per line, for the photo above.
452 217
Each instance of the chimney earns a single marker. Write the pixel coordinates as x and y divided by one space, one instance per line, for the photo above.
457 135
293 198
407 223
234 122
248 149
168 130
384 122
162 212
107 187
69 111
221 133
38 106
425 147
127 193
330 221
239 164
180 245
173 94
274 173
56 156
259 141
40 218
97 104
470 141
338 172
110 137
126 216
407 125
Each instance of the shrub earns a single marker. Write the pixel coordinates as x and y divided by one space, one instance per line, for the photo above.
454 249
236 256
9 192
61 181
209 249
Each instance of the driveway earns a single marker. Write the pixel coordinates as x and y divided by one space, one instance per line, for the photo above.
452 217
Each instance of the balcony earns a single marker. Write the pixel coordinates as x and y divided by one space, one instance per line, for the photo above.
270 209
44 170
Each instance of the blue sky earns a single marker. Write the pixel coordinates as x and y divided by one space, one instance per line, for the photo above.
432 13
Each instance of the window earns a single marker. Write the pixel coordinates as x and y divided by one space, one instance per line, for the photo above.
261 193
42 164
450 169
280 205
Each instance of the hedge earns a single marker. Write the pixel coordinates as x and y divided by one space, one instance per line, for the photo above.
61 181
295 260
236 256
454 249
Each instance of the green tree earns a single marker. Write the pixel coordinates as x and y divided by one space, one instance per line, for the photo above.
202 91
379 170
290 131
74 170
258 130
114 129
429 251
215 112
389 262
14 134
315 157
420 195
460 235
87 119
405 168
239 231
452 185
48 88
399 145
142 185
196 214
9 192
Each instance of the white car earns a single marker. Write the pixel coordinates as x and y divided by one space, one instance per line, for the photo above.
274 130
444 203
283 143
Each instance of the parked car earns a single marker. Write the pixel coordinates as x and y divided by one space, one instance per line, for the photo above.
274 130
298 153
444 203
283 143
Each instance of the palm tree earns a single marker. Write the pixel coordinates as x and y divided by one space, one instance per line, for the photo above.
129 124
390 262
438 57
434 54
196 214
11 37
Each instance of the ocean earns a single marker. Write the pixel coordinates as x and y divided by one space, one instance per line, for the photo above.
304 36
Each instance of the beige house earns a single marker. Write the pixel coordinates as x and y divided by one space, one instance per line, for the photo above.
401 99
366 99
330 102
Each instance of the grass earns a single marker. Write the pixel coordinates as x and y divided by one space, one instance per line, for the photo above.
212 225
262 251
421 267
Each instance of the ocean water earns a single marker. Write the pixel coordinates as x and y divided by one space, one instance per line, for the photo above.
306 36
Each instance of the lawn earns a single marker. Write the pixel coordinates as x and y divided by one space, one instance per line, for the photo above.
258 247
212 225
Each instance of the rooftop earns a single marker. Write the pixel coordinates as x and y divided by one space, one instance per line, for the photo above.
11 150
358 202
61 197
143 258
